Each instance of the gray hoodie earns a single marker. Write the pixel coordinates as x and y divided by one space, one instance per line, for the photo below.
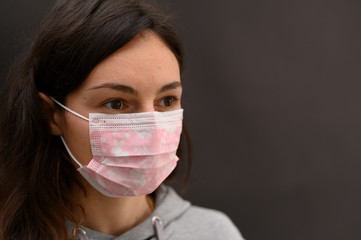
173 218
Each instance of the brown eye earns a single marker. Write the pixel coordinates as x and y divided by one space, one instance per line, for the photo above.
167 102
115 104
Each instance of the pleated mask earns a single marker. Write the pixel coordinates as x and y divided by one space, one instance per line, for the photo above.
133 153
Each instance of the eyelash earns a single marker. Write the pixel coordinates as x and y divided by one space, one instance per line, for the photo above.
124 103
173 102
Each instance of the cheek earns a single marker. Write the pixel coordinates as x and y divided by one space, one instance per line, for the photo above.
76 135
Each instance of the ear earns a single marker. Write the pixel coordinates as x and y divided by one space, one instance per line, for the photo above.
54 113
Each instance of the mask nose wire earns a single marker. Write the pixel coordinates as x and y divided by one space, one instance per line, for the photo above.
61 137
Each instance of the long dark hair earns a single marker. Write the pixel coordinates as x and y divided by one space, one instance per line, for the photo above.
36 177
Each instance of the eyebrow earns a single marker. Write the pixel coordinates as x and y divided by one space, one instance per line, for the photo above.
170 86
130 90
117 87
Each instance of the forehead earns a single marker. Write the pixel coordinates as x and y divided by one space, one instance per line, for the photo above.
145 60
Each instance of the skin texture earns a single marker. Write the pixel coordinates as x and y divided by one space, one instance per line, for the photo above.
142 76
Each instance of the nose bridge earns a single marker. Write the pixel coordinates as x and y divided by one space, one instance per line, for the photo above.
146 109
146 99
146 106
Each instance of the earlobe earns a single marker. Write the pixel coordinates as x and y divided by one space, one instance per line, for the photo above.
55 115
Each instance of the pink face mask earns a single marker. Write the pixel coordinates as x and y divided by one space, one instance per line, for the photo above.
132 153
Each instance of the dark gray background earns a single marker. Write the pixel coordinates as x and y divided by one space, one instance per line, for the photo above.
272 96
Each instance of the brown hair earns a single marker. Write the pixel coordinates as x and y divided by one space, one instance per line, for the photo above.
36 176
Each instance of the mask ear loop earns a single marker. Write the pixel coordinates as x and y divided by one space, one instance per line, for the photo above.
61 137
68 109
67 149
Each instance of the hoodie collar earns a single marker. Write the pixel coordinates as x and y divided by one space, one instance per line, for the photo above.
168 206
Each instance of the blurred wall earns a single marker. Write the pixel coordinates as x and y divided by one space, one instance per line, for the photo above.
272 95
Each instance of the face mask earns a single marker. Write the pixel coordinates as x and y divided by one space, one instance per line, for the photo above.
132 153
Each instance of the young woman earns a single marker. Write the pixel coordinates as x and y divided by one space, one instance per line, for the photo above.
90 127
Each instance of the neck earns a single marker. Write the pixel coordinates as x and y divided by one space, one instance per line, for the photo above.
114 216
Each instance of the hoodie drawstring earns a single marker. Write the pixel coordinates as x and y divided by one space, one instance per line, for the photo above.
156 222
158 227
81 234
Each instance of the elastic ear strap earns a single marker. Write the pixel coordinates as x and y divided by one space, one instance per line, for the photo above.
71 155
68 109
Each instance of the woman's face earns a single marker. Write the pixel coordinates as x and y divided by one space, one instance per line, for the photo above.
142 76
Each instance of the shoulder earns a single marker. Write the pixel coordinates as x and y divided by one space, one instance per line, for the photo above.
202 223
181 220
